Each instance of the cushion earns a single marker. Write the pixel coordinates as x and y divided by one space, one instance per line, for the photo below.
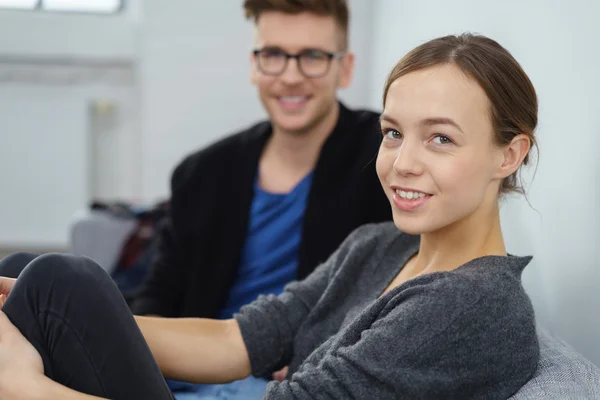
562 374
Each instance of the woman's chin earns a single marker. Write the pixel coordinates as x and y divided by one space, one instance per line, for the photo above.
411 227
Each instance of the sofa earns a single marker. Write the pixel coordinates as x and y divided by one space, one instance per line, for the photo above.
562 373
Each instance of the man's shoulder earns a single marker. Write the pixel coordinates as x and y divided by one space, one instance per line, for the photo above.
361 116
225 147
366 115
359 129
218 153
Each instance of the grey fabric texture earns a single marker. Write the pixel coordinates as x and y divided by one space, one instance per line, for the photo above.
465 334
562 374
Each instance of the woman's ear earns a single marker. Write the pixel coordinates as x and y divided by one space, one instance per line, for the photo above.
513 155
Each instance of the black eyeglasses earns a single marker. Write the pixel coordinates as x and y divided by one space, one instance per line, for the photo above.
312 63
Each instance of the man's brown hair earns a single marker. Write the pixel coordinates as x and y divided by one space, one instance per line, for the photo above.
338 9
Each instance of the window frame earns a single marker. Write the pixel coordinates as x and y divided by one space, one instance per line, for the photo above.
39 7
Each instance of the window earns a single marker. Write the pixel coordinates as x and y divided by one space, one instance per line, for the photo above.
87 6
96 6
19 4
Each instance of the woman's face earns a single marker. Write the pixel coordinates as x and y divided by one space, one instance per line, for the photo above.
438 163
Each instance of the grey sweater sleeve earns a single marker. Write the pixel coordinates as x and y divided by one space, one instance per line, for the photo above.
438 337
270 323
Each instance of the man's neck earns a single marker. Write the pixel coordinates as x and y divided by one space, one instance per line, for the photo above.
289 156
300 150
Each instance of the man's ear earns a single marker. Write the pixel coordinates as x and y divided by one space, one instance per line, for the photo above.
513 155
346 70
253 69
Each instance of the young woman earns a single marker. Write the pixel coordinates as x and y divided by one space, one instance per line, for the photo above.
430 306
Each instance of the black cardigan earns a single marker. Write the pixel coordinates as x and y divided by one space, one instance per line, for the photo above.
212 190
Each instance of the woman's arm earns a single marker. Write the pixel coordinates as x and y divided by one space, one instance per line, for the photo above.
197 349
259 340
269 325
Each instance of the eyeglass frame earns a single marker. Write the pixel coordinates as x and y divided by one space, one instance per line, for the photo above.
330 57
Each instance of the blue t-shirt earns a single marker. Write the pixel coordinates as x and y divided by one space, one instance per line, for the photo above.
269 259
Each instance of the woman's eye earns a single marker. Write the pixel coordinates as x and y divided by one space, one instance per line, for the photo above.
392 134
442 139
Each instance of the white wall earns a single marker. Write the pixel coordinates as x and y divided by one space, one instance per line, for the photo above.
36 174
194 59
52 66
556 43
194 76
47 159
53 34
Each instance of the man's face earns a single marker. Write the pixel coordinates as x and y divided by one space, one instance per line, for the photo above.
297 103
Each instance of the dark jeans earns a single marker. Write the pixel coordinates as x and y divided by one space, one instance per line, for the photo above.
72 312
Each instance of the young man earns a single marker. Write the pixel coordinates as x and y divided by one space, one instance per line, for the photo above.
265 206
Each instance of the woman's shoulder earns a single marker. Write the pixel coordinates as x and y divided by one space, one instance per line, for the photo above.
495 276
475 321
483 288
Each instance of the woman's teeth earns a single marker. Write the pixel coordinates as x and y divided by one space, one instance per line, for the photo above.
409 195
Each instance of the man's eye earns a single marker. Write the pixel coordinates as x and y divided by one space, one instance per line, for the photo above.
314 55
271 54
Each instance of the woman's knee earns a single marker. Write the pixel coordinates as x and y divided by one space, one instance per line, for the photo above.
11 266
63 270
67 283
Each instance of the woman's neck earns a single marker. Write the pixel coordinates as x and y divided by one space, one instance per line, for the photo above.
447 249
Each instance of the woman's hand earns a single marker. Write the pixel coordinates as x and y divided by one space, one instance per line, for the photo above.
20 363
6 285
281 374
